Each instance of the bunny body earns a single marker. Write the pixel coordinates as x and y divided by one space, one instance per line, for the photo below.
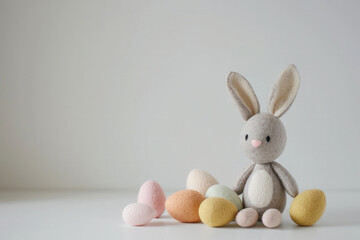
263 190
263 139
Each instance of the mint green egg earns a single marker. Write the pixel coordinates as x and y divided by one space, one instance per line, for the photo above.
222 191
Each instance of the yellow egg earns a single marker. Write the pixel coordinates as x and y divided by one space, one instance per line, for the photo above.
216 212
308 207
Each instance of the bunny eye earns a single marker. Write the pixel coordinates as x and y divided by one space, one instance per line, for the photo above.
246 137
268 138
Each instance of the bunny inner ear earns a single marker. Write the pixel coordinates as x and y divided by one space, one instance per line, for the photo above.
244 95
284 91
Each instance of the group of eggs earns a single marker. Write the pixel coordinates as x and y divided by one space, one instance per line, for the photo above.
213 204
150 205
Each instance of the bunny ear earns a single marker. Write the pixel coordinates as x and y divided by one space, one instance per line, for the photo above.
244 95
284 91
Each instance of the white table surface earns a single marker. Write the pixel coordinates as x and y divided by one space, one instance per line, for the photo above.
97 215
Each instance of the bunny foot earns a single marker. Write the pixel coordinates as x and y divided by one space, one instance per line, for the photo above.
247 217
272 218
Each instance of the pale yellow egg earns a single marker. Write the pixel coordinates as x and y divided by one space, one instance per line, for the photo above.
217 212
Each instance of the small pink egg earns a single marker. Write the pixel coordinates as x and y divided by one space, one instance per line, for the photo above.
152 194
272 218
137 214
247 217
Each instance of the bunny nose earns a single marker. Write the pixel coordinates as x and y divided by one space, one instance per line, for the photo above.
256 143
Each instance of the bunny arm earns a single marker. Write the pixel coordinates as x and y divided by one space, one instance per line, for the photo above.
286 179
240 184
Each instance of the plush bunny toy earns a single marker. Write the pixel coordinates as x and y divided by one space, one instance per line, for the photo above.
263 139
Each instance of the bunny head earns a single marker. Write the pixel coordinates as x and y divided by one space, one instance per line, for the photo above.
263 137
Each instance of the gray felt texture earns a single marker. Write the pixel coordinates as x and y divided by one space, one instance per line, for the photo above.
244 95
284 91
278 200
240 184
264 183
286 179
259 127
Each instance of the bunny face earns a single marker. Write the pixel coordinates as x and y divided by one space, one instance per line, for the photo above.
263 138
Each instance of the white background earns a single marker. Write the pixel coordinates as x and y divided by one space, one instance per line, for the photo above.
109 94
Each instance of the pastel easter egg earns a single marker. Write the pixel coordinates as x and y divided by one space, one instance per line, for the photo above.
138 214
222 191
200 181
217 212
151 193
272 218
308 207
184 206
247 217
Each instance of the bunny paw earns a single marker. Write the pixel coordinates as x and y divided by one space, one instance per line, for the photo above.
247 217
272 218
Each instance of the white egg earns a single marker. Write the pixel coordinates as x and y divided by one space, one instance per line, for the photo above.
200 181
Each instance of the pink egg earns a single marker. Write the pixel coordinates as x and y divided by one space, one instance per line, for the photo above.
272 218
152 194
247 217
137 214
